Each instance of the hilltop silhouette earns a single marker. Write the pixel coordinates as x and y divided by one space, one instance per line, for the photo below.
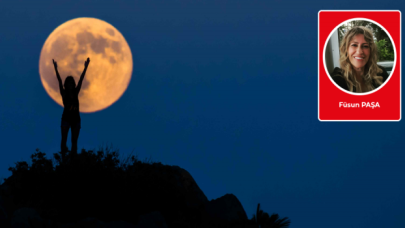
96 189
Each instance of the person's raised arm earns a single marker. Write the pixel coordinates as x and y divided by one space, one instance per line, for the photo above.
79 85
59 79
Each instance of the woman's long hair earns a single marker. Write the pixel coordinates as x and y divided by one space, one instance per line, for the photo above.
69 79
370 69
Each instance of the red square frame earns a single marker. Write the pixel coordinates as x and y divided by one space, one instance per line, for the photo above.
388 95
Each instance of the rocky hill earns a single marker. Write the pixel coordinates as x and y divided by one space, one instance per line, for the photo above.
97 190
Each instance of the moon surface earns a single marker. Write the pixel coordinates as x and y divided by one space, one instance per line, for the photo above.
110 69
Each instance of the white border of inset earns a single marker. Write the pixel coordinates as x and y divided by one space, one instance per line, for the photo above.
400 63
395 57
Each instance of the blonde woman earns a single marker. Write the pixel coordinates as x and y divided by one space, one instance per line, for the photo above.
358 70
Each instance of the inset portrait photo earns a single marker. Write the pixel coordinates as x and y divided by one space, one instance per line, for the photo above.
359 65
359 56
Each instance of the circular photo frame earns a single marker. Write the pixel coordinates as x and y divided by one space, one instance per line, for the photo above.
386 52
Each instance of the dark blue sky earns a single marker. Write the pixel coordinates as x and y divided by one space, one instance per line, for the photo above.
226 90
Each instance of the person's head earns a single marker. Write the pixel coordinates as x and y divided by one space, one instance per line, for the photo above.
70 83
358 53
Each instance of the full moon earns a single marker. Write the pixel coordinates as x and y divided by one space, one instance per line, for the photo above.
110 69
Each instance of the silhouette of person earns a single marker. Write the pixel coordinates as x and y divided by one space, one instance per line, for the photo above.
71 114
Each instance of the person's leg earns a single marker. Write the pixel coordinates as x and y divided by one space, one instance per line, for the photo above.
75 136
65 131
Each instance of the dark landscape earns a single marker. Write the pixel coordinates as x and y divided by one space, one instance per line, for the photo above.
96 189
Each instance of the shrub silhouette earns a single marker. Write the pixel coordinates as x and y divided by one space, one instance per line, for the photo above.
98 184
264 220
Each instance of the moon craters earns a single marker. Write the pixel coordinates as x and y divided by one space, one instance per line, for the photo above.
112 60
116 46
98 45
84 38
62 47
110 31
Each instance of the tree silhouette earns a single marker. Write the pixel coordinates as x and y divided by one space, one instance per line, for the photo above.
264 220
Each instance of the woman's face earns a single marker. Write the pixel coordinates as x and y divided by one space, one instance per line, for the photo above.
359 52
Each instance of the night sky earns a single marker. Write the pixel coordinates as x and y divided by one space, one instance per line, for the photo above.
227 90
